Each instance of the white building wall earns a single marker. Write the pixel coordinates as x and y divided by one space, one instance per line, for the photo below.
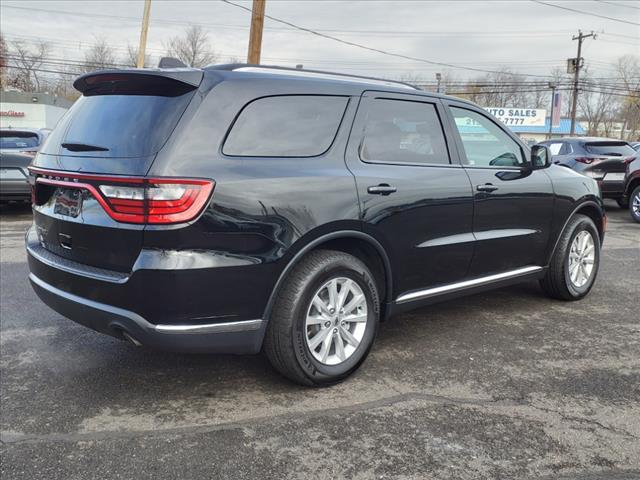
34 115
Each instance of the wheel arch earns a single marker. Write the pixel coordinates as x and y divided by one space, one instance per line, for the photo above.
354 242
592 210
635 182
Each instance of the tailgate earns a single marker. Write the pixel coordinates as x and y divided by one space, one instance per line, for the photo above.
111 135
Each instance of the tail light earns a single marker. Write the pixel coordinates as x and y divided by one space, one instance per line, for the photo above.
138 199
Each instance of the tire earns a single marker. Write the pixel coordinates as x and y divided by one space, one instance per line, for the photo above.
558 282
634 204
622 203
288 337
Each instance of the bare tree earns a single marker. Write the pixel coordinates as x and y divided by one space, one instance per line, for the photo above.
499 89
628 68
131 58
598 106
192 48
3 60
26 63
412 78
99 57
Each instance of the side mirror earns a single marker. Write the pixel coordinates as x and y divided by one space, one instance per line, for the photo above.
540 157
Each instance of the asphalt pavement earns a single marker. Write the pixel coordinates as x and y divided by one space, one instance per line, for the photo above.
506 384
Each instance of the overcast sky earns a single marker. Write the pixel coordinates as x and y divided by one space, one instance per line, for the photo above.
522 35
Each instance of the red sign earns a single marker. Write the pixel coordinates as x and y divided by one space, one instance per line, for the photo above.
11 113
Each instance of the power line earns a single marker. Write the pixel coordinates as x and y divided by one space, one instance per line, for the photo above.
617 4
584 13
75 62
507 33
376 50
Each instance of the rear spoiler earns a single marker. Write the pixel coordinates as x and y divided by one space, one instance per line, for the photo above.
140 81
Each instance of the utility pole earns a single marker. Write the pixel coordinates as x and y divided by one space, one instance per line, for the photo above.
143 33
255 35
553 87
577 65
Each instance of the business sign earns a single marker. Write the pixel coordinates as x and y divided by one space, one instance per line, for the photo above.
530 117
11 113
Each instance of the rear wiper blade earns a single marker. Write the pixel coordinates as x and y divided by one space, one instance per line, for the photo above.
84 147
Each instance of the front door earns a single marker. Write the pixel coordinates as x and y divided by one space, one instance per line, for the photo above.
415 197
513 204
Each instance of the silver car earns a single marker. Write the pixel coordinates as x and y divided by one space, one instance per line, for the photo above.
22 140
14 184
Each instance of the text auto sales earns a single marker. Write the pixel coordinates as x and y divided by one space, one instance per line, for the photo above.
519 116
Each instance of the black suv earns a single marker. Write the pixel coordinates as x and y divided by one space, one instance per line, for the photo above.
237 209
602 159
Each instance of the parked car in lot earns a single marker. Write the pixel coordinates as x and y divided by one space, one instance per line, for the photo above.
237 209
603 159
22 140
14 185
632 188
635 146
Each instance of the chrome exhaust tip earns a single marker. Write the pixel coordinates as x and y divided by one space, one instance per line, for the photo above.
131 340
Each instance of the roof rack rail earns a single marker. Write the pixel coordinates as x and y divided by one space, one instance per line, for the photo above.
239 66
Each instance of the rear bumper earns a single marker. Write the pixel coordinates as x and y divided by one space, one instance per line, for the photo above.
14 190
611 189
243 337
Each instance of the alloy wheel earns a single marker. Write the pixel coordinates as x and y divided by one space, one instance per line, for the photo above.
336 321
635 204
582 256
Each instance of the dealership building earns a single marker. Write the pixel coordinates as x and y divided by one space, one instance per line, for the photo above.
31 110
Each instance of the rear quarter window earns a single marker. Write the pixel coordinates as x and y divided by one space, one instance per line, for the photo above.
286 126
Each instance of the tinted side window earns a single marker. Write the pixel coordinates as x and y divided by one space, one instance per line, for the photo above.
286 126
555 148
399 131
485 144
566 149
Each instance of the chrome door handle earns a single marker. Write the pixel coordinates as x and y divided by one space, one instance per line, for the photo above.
487 187
382 189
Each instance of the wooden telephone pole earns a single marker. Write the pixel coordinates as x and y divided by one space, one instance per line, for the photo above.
255 36
143 34
577 65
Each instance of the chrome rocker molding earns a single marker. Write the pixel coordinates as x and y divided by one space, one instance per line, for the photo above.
454 287
241 326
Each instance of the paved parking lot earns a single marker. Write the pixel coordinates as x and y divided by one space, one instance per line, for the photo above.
506 384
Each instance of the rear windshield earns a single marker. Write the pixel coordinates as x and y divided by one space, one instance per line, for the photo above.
18 139
614 149
117 125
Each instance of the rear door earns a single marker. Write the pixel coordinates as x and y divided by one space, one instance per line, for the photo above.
415 198
113 131
513 205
